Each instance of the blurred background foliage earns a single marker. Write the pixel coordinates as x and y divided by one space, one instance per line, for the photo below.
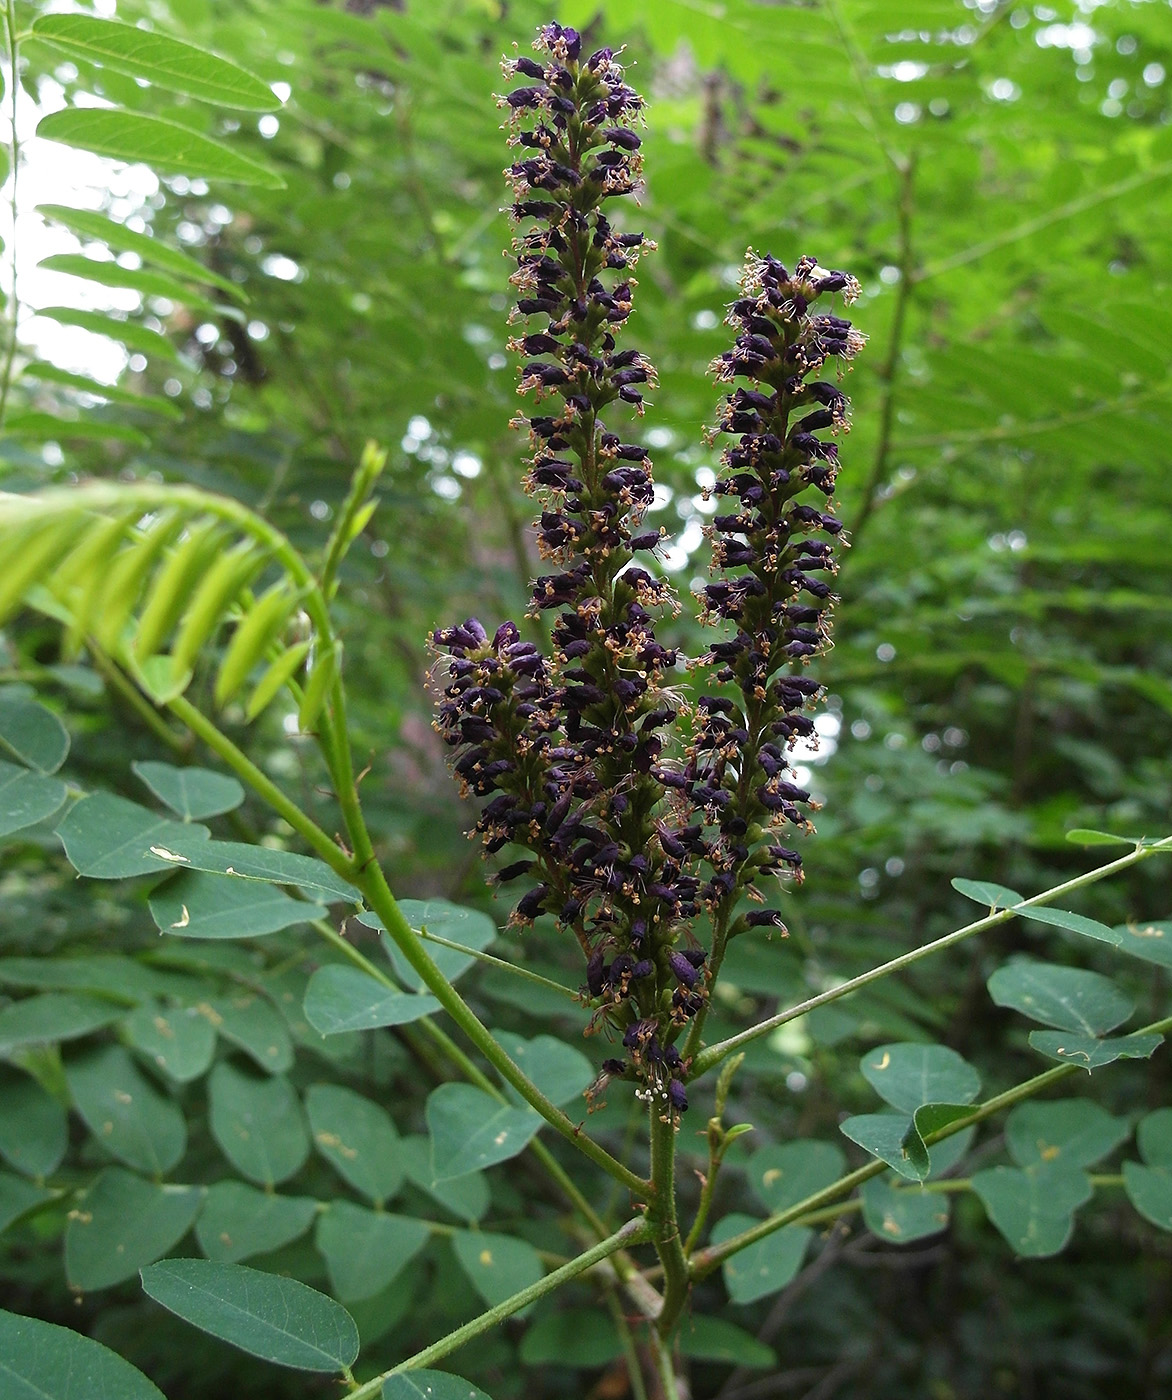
999 177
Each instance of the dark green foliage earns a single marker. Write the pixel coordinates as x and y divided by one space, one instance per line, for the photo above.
322 267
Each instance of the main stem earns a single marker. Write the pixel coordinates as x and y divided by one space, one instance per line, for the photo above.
663 1220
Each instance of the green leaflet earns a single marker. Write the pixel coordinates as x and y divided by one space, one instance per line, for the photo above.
1068 998
192 793
258 1124
782 1176
366 1250
429 1385
41 1361
765 1267
902 1214
52 1017
156 58
357 1138
33 1127
164 145
178 1040
277 1319
123 1223
1034 1207
340 998
497 1266
108 838
908 1075
32 734
124 1111
238 1221
470 1130
26 798
252 1023
199 905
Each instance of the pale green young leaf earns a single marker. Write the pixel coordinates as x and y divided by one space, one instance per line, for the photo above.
123 1223
258 1124
164 145
357 1138
199 905
41 1361
158 59
365 1250
192 793
124 1110
1085 836
342 999
88 223
277 1319
238 1221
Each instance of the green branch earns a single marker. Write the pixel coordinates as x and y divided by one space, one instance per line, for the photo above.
634 1232
715 1053
710 1259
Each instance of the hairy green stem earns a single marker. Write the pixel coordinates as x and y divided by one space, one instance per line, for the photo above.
715 1053
634 1232
710 1259
662 1216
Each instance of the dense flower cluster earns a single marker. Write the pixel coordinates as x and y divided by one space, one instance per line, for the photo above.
570 750
771 569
